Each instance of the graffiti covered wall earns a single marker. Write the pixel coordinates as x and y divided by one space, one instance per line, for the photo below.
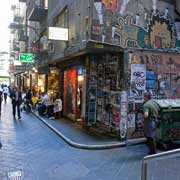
166 67
151 25
154 72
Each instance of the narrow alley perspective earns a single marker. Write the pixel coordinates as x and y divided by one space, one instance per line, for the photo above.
90 90
31 151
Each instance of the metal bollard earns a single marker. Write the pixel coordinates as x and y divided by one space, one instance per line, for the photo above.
144 171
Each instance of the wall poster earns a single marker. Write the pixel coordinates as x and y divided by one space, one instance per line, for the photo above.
138 76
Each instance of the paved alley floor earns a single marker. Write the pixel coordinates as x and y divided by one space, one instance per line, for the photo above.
32 149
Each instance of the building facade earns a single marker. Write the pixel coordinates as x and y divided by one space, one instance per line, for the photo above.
116 50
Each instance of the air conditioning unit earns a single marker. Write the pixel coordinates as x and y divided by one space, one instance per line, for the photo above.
50 47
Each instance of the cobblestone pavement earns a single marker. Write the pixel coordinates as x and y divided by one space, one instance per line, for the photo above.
34 150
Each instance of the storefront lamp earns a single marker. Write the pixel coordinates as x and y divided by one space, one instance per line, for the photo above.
80 78
34 69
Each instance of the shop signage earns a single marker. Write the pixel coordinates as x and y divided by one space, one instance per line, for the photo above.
26 57
20 68
56 33
99 46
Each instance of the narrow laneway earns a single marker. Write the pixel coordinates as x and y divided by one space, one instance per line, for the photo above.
34 150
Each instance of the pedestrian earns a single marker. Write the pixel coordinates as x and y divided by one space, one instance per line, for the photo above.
38 101
46 102
150 109
16 97
33 100
1 98
28 97
5 92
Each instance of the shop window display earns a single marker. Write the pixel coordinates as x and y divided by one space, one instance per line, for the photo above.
53 84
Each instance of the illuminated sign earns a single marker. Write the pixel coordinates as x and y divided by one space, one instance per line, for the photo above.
26 57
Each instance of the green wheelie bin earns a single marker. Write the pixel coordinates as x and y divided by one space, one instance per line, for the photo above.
168 126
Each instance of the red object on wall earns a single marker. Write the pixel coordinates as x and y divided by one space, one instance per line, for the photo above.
11 67
109 4
36 47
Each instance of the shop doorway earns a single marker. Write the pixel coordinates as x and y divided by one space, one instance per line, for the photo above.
80 88
74 89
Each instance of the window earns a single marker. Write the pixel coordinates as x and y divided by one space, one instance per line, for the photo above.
62 19
46 4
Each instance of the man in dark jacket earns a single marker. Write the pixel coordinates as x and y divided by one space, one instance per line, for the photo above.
1 98
16 97
150 109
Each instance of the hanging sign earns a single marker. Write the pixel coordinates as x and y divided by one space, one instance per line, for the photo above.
26 57
57 33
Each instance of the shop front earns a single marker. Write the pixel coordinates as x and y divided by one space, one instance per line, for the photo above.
34 83
53 83
41 82
104 90
42 78
27 81
73 92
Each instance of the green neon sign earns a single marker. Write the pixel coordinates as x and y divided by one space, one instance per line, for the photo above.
26 57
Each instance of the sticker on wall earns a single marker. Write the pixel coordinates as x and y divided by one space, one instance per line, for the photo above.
98 6
154 6
131 120
123 127
124 98
123 7
109 4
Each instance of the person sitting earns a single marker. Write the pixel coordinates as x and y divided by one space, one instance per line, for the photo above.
57 107
38 102
34 100
28 97
42 109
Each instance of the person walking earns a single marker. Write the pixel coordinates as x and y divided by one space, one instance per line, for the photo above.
16 97
1 98
150 110
5 92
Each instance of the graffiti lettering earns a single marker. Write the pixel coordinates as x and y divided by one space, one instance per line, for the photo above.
140 83
139 74
156 59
